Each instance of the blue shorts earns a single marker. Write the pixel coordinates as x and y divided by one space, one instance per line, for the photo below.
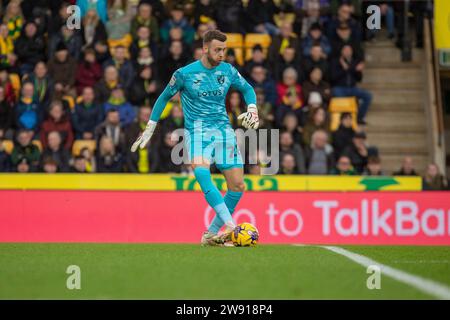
218 146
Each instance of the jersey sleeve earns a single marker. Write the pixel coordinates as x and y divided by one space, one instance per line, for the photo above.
175 85
238 82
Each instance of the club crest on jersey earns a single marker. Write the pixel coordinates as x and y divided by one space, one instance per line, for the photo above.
221 79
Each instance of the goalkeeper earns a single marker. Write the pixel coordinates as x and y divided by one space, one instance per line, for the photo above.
203 86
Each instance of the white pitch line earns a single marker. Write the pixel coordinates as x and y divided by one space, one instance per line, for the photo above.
431 287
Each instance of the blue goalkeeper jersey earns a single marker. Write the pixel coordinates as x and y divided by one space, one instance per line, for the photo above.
203 92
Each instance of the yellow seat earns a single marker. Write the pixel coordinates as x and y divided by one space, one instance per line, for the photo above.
38 144
339 105
252 39
80 144
236 41
8 146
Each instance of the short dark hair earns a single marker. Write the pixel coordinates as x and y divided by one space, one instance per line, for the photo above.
211 35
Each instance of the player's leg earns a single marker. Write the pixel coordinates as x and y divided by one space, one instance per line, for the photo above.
235 185
213 197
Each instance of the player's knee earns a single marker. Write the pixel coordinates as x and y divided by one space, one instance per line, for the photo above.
238 187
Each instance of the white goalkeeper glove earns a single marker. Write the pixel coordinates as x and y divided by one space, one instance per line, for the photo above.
250 119
144 138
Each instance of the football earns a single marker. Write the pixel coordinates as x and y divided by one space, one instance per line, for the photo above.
245 235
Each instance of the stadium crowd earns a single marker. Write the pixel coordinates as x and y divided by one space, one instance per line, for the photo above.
74 100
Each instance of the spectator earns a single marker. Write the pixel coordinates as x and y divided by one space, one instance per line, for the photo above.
79 165
142 40
407 168
316 59
265 110
343 167
343 136
290 96
166 165
5 83
315 36
70 38
138 126
102 53
290 124
433 179
5 160
87 115
344 38
387 11
373 167
59 19
108 159
285 39
123 65
43 84
111 128
319 155
177 20
260 16
173 61
24 149
49 165
104 87
346 72
118 102
91 165
145 58
28 112
344 15
257 59
55 150
7 56
144 18
318 120
357 152
310 13
88 73
205 11
59 121
316 84
287 59
144 90
230 57
288 165
287 145
29 48
92 30
62 68
100 7
6 115
259 79
174 121
230 17
14 19
234 105
118 24
201 29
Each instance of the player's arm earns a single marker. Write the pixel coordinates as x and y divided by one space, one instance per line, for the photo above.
175 85
250 118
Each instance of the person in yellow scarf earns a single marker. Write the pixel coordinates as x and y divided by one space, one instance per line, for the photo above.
14 19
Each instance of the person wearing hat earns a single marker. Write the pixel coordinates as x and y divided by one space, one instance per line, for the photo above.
357 151
177 20
257 59
118 101
62 69
315 35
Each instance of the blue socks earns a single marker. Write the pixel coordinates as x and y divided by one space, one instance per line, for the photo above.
231 199
213 196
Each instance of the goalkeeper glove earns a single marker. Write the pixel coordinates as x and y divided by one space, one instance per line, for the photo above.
250 118
144 138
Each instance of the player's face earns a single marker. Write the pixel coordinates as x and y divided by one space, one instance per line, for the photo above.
215 52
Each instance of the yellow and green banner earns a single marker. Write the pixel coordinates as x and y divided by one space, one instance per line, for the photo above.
175 182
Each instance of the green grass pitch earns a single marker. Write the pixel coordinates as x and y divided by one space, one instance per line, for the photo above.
183 271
